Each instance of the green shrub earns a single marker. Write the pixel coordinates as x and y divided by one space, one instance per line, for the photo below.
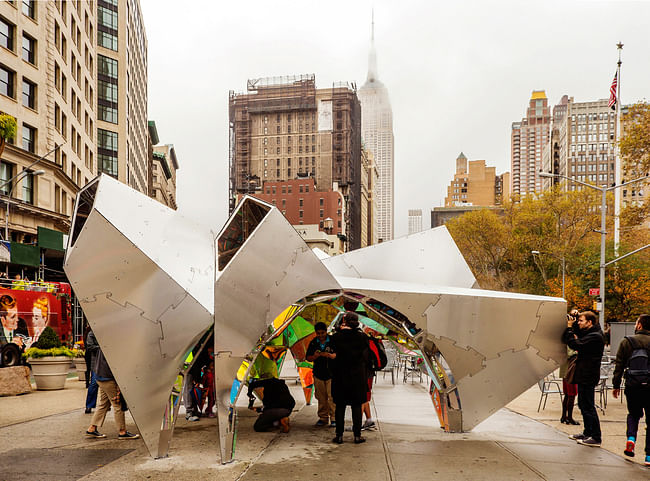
48 339
7 127
35 352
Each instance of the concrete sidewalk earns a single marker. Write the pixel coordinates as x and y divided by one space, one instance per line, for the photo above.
40 443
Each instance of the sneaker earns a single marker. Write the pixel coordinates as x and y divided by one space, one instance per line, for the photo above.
333 424
320 423
370 423
94 434
577 437
88 411
629 448
192 418
128 435
284 425
591 442
647 460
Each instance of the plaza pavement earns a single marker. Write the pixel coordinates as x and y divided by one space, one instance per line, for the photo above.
41 438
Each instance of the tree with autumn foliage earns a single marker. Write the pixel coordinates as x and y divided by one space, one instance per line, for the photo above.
558 225
635 141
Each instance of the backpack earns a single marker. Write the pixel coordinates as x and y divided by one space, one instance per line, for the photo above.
637 372
377 356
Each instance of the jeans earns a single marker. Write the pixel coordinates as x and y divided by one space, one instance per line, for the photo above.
356 419
587 405
91 395
638 400
268 417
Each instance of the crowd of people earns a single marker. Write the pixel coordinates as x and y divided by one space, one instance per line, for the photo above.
585 346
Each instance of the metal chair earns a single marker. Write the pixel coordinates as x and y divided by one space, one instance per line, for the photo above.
548 386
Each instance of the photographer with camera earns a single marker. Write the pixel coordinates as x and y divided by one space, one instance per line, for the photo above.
567 373
585 336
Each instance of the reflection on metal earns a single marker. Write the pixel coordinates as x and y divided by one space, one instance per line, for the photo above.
151 283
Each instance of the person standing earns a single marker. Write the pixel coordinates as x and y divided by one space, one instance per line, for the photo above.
350 379
586 337
91 351
321 352
109 396
567 373
637 382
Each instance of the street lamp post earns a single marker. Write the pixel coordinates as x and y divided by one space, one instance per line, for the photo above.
536 253
14 181
603 232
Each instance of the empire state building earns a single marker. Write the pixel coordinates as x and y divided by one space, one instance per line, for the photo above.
377 135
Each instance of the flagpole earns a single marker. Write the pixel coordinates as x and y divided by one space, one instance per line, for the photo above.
617 158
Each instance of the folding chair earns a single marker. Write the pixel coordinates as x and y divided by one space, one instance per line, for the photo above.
548 386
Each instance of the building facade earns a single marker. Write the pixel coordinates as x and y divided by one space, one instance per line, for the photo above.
285 129
474 183
302 203
415 221
47 83
528 138
377 134
369 178
122 130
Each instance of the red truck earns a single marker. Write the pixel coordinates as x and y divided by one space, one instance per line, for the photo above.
26 308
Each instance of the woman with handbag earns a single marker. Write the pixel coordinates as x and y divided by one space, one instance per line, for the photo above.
567 371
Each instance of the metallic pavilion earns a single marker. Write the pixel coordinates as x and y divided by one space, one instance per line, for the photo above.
152 283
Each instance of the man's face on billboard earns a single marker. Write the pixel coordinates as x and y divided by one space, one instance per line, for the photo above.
10 321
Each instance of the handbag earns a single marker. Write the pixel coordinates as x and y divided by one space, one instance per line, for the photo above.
571 369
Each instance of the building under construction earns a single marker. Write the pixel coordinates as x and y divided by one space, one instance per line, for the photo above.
283 128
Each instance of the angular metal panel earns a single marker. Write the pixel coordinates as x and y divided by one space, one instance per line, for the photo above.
477 330
143 319
428 257
272 270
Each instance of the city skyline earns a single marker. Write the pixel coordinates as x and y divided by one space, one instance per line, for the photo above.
440 89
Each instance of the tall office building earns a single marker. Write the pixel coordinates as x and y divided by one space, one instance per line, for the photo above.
285 128
47 82
475 183
122 130
528 138
377 134
415 221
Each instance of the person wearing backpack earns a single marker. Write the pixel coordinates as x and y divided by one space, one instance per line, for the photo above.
632 363
586 337
377 361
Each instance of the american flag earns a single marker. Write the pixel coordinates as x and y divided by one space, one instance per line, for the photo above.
612 92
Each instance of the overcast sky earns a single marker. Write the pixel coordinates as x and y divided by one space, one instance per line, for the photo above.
458 74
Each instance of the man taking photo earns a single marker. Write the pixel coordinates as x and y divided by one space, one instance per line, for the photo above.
585 336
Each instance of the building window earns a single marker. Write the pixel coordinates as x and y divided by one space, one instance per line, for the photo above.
107 101
29 8
28 188
29 94
29 49
7 34
29 138
7 81
107 25
107 67
107 148
322 201
6 173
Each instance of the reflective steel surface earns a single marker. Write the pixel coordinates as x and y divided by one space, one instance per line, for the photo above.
151 282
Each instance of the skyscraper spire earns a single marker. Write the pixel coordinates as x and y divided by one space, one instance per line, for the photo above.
372 56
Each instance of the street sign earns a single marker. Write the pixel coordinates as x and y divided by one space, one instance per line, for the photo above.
594 291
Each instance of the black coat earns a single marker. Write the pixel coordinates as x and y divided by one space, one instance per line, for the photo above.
590 345
349 369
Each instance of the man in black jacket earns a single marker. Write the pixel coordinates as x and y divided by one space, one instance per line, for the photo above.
636 393
586 337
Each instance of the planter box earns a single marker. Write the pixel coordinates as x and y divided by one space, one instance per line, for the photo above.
80 366
50 373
